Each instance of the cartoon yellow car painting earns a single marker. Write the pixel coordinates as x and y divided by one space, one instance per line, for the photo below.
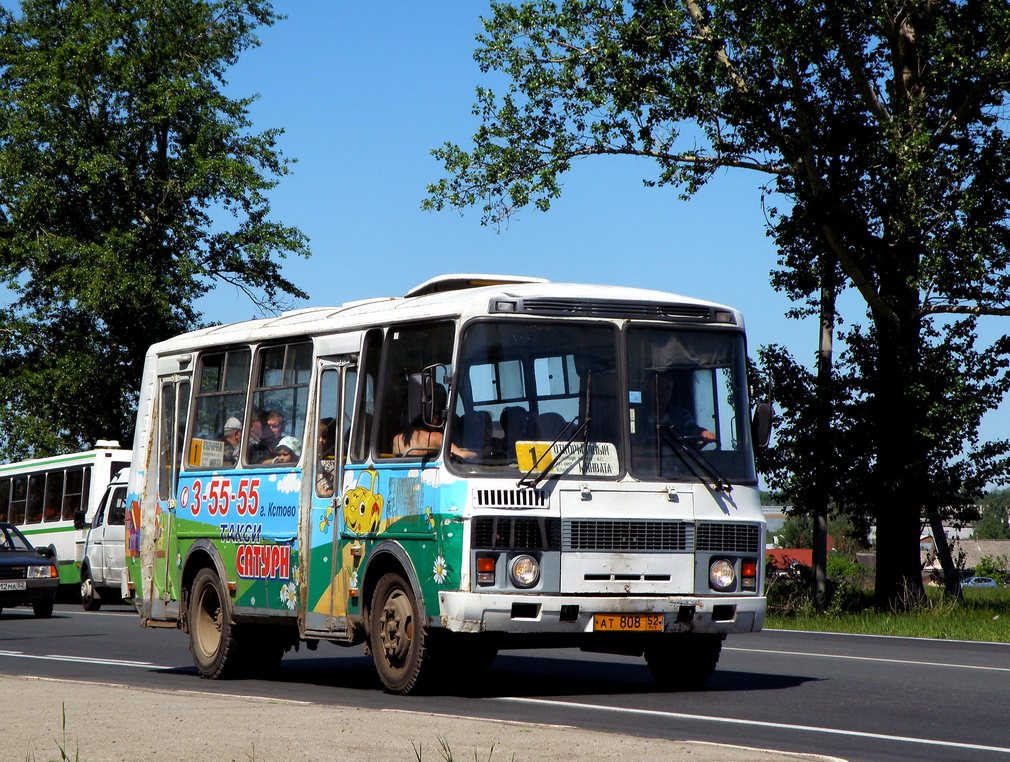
362 506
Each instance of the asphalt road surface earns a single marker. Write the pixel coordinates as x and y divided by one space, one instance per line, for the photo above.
850 697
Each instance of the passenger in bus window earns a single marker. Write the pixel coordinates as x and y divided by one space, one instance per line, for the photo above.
265 436
232 437
325 447
288 450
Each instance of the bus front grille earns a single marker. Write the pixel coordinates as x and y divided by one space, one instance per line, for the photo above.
508 533
628 536
724 537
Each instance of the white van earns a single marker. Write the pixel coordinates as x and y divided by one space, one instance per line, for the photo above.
104 554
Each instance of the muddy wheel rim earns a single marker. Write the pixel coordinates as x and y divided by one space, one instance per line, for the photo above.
396 630
207 627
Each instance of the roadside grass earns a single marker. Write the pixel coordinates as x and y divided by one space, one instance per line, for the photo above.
983 615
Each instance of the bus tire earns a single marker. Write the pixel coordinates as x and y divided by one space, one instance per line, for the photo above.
684 662
212 634
397 634
90 599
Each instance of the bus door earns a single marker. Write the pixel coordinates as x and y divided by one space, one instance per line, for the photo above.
173 409
326 598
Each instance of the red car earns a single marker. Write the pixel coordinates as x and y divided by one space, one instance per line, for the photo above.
27 574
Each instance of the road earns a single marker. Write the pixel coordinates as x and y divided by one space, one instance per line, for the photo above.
857 698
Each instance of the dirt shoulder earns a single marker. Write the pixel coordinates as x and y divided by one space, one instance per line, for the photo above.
110 722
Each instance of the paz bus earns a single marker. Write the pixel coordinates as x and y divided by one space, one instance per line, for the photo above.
52 500
488 462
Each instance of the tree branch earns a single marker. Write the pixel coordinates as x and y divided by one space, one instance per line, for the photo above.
964 309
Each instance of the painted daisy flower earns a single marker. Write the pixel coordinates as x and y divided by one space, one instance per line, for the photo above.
288 595
440 570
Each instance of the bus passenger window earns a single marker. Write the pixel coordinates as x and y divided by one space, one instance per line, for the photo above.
36 494
54 496
220 407
76 486
279 401
5 497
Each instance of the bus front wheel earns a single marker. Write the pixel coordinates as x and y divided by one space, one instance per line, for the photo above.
684 662
397 634
211 632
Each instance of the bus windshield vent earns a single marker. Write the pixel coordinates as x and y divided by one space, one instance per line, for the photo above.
510 498
717 537
612 308
625 536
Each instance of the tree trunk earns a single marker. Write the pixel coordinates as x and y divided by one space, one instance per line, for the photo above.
900 459
822 457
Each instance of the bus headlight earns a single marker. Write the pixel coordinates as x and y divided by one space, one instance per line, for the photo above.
722 575
524 571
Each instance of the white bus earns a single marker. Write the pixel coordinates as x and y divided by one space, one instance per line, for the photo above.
52 500
489 462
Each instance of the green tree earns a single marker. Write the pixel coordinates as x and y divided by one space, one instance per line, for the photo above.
129 184
994 516
880 127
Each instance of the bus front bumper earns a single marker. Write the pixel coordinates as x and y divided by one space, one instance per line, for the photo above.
546 614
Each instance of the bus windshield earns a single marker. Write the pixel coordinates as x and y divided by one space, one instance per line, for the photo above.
524 386
688 415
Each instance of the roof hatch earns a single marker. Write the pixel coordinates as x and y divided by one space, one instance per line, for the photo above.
459 281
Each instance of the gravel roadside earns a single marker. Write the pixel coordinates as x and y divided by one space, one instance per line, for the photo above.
111 722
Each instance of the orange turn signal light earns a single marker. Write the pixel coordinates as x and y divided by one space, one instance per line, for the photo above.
485 564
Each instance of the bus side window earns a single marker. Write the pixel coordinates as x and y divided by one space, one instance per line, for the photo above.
36 494
76 486
220 403
19 494
408 349
280 399
54 496
5 497
365 399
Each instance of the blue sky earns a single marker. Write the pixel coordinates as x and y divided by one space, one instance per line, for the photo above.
364 91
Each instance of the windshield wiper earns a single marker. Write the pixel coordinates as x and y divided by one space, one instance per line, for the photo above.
691 458
526 481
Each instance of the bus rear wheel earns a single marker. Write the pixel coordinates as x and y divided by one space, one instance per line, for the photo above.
397 634
684 662
212 638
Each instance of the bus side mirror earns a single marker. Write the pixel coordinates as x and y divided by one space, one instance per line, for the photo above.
426 396
761 424
78 519
418 403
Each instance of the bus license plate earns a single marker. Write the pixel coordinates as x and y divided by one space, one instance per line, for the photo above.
15 584
628 622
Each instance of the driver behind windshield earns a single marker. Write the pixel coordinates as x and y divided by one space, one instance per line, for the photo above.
673 394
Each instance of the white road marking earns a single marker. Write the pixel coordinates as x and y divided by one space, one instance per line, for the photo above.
761 724
866 658
887 637
83 660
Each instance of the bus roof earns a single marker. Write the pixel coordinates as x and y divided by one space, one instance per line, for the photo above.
85 456
451 295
